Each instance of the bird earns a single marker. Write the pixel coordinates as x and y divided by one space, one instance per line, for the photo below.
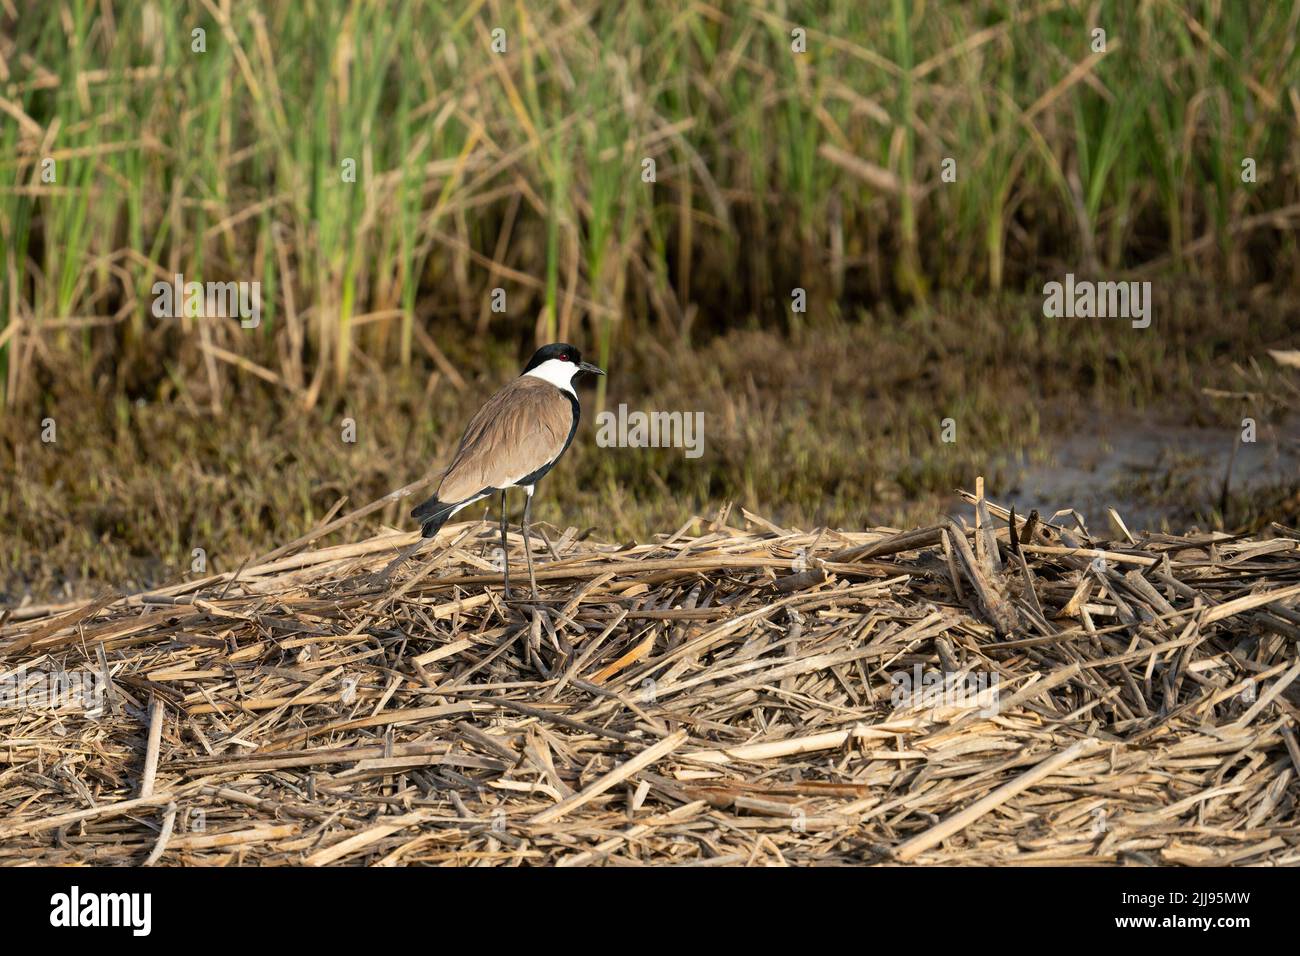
512 442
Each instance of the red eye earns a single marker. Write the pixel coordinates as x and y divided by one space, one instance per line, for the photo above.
565 358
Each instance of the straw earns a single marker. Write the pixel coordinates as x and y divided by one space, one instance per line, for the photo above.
1090 701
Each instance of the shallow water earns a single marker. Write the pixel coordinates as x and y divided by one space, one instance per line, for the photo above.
1156 476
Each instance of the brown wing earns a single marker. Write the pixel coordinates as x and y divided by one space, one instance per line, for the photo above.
521 428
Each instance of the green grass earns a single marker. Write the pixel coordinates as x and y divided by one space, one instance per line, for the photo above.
521 170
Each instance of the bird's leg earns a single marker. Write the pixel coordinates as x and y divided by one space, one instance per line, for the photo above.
505 551
528 544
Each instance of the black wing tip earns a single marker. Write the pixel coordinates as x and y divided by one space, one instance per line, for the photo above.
430 527
426 508
432 515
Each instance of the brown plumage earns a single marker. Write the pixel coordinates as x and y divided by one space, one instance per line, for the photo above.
520 429
512 442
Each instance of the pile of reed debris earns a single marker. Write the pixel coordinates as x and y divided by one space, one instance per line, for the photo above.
987 691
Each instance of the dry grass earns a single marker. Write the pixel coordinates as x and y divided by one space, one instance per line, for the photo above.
700 700
840 426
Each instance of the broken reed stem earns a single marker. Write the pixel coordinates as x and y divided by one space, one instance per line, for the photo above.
695 699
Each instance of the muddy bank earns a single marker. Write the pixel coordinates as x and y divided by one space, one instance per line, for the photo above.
1158 474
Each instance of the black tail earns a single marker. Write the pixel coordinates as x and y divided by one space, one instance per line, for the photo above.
432 515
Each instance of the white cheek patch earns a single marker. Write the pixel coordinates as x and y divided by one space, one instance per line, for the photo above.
559 373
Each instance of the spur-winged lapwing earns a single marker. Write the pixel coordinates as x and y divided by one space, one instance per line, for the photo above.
513 441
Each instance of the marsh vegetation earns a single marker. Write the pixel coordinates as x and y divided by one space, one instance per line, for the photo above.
382 174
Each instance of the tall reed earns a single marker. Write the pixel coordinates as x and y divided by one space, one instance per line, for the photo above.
500 145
